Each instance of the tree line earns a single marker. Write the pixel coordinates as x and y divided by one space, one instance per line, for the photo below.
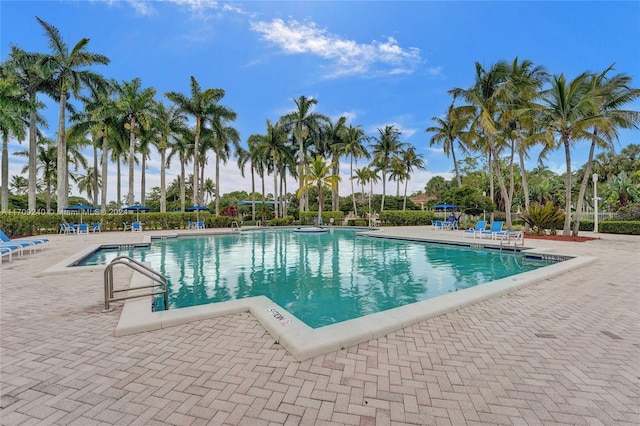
511 108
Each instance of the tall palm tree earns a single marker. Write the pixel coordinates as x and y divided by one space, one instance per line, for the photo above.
614 93
353 146
272 148
66 68
88 181
486 96
13 120
183 148
24 68
46 164
167 125
301 123
385 150
410 161
225 137
202 105
318 174
453 127
570 111
333 136
136 104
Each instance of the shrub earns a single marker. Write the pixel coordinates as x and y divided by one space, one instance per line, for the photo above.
620 227
282 221
306 218
540 218
406 217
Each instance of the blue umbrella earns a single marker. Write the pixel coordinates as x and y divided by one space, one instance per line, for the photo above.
137 209
81 208
445 207
197 209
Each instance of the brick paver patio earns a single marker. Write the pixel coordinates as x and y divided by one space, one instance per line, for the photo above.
562 351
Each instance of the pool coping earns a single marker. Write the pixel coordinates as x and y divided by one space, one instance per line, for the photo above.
304 342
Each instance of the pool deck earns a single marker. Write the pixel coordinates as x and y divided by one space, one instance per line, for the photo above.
564 350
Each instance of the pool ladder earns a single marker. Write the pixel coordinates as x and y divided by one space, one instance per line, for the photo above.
235 227
157 281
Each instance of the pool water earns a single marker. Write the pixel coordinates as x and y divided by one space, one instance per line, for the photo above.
322 279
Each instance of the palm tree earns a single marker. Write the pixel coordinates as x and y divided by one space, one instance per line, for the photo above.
410 161
167 124
319 175
19 184
135 104
333 136
353 146
570 111
66 70
13 120
88 182
614 93
301 123
202 105
370 176
184 150
449 129
385 150
25 70
224 138
486 96
46 164
272 148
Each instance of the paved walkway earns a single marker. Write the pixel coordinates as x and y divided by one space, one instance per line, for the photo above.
562 351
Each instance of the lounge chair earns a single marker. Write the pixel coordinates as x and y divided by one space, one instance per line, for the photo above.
192 225
7 252
33 243
95 227
200 224
136 227
518 236
496 226
480 227
125 226
436 224
83 228
72 228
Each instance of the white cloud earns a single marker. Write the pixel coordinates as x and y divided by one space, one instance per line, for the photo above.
347 56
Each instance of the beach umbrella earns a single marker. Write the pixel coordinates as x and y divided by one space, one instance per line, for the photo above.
81 208
444 207
197 209
137 209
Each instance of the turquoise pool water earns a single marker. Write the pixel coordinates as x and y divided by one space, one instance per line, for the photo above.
320 278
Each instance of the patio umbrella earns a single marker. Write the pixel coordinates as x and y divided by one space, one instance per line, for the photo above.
137 209
444 207
81 208
197 209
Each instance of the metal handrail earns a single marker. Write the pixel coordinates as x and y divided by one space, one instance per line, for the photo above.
235 226
148 272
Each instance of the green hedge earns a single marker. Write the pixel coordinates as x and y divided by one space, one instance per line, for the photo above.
406 217
281 221
619 227
306 218
16 224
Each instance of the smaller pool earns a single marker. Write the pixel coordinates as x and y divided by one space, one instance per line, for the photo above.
322 278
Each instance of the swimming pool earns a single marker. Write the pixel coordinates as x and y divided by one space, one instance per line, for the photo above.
322 279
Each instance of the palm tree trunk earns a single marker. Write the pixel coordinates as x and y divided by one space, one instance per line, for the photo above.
566 230
105 162
384 189
132 156
5 171
95 173
217 185
48 195
335 192
353 192
404 203
253 193
455 166
320 203
183 186
583 189
501 183
163 185
62 190
196 160
33 148
119 183
491 184
525 187
275 187
143 179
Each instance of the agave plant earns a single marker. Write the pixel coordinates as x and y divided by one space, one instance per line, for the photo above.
542 217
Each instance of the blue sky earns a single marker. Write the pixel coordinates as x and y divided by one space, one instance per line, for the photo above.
377 63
